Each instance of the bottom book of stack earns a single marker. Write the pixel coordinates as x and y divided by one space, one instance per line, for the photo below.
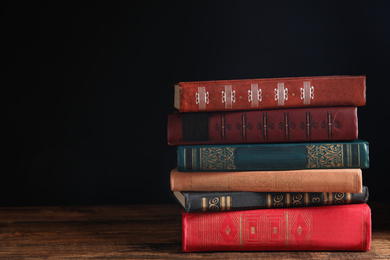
308 210
322 228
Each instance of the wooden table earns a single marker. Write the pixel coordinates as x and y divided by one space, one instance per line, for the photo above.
135 232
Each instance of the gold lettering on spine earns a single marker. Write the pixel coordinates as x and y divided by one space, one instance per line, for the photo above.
228 202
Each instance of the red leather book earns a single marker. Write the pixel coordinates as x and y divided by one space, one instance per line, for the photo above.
225 95
263 126
336 228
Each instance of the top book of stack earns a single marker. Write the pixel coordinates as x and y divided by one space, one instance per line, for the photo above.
271 93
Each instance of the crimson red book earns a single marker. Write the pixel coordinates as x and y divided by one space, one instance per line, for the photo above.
336 228
255 94
263 126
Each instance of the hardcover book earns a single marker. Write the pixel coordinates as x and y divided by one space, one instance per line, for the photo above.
233 201
282 156
255 94
319 180
265 126
336 228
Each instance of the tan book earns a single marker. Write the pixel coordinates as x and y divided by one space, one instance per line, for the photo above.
318 180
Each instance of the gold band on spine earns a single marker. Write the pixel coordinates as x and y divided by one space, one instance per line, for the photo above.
325 198
349 198
269 201
228 202
330 198
288 200
306 199
204 204
223 203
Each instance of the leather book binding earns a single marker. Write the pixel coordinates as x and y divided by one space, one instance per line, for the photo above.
279 156
271 93
263 126
319 180
241 200
336 228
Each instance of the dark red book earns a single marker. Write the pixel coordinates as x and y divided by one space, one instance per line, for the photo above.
254 94
336 228
263 126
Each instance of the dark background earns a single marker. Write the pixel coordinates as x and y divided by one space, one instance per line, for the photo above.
87 87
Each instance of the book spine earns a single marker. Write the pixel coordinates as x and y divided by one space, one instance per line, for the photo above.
329 180
267 126
341 228
233 201
248 157
255 94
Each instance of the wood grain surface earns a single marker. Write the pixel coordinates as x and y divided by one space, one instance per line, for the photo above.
136 232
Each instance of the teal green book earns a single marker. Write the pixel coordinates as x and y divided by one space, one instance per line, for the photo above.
282 156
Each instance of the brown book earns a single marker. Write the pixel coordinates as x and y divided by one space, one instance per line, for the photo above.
318 180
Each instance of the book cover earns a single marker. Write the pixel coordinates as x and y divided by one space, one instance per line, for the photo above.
263 126
255 94
236 200
282 156
336 228
319 180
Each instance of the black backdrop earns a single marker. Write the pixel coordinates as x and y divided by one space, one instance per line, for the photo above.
88 86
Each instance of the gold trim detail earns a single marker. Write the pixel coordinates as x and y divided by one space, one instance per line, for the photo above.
216 158
213 204
325 156
203 204
223 203
348 198
339 198
269 201
278 201
240 231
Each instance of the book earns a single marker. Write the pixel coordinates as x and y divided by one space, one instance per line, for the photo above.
237 200
271 93
279 156
336 228
263 126
319 180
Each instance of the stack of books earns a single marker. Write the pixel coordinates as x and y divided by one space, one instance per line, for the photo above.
271 164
